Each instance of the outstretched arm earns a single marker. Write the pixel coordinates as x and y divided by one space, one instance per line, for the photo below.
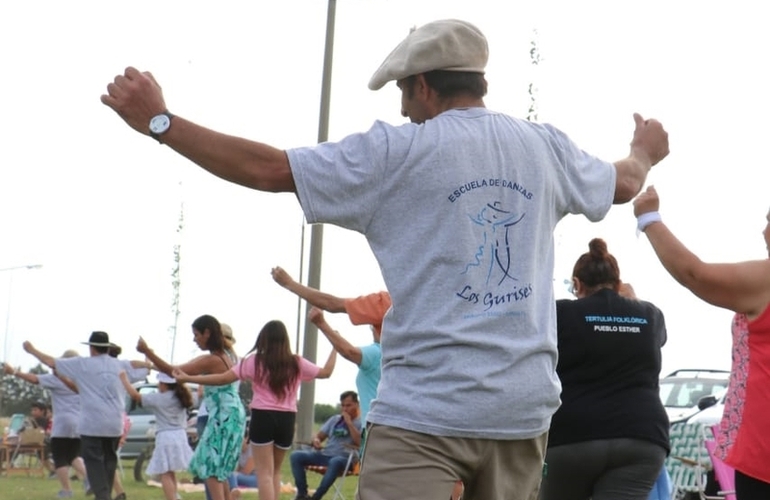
132 392
648 146
223 378
743 287
68 382
206 363
317 298
47 360
157 361
136 97
27 377
342 346
328 368
138 363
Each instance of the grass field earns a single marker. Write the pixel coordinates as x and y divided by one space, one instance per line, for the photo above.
20 487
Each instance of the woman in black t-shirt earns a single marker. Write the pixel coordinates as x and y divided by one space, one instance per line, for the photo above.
609 438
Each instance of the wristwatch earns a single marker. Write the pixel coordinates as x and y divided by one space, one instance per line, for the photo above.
159 125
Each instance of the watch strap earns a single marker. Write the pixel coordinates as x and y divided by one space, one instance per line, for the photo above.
157 136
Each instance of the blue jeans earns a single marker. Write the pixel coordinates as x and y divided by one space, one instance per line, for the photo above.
335 466
246 480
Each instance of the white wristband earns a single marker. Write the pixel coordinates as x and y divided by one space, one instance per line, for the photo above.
645 220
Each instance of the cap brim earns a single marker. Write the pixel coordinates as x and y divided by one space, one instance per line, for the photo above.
99 344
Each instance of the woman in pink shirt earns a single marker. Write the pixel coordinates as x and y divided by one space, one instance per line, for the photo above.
275 374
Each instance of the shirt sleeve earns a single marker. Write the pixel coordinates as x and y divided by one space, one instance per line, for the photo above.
47 380
69 367
152 399
368 309
370 357
307 370
587 183
340 182
134 374
244 369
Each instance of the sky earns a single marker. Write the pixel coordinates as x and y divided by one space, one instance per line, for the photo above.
98 205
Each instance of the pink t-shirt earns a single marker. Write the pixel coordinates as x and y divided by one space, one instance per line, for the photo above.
264 398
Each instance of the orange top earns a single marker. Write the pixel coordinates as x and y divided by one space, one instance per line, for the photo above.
368 309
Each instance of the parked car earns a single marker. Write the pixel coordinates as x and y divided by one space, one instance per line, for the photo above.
711 410
141 434
686 393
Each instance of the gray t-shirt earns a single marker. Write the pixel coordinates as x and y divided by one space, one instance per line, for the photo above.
134 374
339 442
169 412
66 406
102 396
460 212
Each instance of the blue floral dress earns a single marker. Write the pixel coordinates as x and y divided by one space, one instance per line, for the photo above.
219 447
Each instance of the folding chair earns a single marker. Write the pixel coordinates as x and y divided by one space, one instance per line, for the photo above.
351 469
26 454
688 463
724 474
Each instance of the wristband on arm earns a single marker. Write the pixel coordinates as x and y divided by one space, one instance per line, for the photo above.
645 220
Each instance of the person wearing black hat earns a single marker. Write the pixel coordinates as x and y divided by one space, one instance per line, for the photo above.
102 402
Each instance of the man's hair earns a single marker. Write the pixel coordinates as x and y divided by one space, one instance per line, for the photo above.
349 394
101 349
452 83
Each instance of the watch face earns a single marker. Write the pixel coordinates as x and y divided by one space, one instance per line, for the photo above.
160 124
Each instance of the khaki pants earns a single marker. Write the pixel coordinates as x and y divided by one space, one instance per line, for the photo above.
404 465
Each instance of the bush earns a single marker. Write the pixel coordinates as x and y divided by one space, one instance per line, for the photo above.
322 412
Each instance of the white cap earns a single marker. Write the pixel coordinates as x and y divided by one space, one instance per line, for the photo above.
166 379
449 45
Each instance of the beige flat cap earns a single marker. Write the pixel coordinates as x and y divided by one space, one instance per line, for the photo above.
449 45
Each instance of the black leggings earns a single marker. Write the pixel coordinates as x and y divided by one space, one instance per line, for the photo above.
749 488
603 469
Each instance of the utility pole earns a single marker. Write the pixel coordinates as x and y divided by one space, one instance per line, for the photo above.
306 404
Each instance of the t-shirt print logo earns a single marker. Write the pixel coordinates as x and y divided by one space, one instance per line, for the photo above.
494 255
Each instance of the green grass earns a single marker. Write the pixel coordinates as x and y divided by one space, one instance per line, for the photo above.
19 487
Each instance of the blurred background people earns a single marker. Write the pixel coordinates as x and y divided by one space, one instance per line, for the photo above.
275 374
216 454
102 403
65 440
342 434
172 452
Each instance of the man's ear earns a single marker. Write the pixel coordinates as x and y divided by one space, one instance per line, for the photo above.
421 87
